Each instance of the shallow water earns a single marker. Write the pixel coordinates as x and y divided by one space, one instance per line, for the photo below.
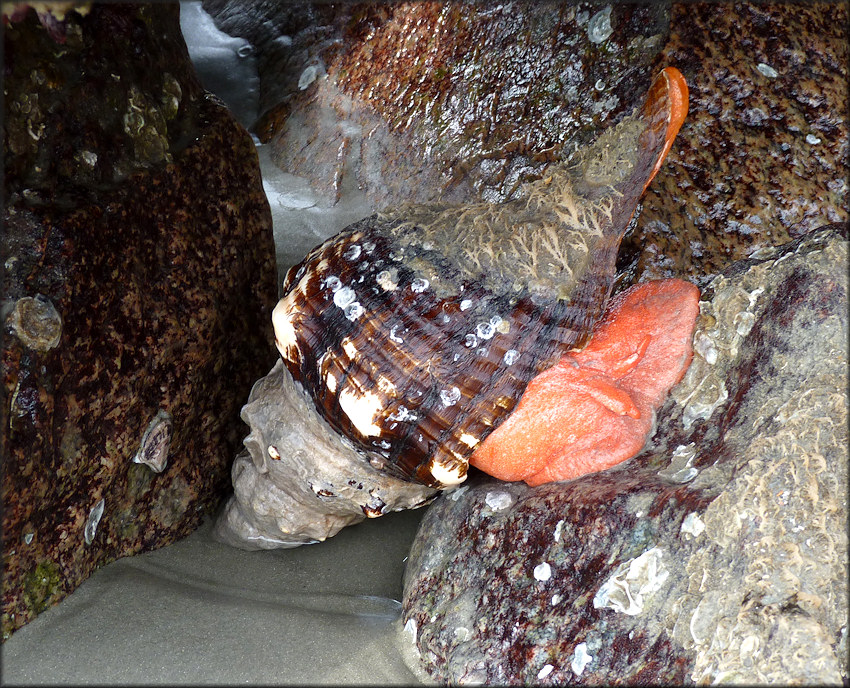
199 611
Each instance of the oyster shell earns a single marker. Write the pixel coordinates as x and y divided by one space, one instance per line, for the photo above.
416 330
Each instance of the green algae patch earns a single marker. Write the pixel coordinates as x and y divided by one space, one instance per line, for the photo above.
41 586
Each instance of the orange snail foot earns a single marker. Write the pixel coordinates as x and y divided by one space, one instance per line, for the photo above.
596 408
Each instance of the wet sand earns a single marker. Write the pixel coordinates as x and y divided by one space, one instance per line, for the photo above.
201 612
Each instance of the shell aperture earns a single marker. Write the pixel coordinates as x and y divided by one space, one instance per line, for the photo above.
415 331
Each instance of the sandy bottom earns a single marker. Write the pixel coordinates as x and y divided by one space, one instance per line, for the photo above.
202 612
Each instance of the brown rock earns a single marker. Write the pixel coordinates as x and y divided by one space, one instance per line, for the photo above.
139 278
762 157
415 101
458 101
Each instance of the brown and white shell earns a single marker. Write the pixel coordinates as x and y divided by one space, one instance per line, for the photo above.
415 331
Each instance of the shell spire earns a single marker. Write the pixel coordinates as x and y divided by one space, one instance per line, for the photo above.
415 331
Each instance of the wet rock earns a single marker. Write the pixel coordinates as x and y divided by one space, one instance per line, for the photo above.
139 274
298 482
418 101
763 156
717 554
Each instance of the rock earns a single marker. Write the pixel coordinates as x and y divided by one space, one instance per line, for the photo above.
298 482
762 157
459 101
719 553
455 101
139 277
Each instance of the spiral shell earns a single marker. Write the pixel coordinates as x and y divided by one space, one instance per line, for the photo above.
415 331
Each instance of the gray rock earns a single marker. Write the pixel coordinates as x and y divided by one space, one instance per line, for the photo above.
717 554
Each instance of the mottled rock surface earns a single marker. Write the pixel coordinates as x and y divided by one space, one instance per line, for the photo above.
415 101
139 277
298 482
423 100
717 554
763 155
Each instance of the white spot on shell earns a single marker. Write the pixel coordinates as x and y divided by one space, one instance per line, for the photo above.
361 410
419 285
485 330
545 671
812 140
352 252
511 356
580 659
353 311
284 331
386 280
349 348
333 283
543 572
368 246
394 336
386 385
93 521
469 440
448 474
403 414
330 381
344 297
466 303
470 341
450 397
556 598
498 501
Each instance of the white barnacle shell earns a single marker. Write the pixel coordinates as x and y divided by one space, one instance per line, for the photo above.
155 443
93 521
35 321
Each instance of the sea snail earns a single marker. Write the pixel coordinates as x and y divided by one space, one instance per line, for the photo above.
416 331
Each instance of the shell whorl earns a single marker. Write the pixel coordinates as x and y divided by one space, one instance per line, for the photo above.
416 330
